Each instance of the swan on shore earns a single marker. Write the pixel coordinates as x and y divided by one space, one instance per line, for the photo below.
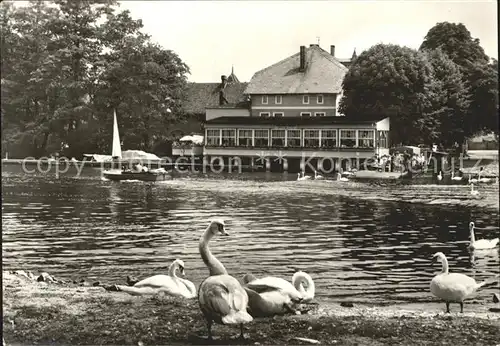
221 297
472 191
318 176
440 176
169 284
454 287
271 296
299 279
480 244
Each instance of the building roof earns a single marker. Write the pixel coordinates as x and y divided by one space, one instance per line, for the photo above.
232 77
292 121
323 74
202 95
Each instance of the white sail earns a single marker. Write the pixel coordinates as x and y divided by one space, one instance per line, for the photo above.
117 149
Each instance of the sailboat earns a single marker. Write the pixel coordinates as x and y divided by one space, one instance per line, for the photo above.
127 174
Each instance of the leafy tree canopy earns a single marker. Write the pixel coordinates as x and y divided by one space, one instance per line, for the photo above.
391 80
66 64
479 75
456 41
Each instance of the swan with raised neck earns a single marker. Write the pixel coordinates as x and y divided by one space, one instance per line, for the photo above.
221 297
481 244
454 287
213 264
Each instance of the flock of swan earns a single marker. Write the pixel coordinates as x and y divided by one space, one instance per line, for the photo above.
224 300
340 176
471 181
343 177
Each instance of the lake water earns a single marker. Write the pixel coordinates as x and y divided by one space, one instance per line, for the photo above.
365 242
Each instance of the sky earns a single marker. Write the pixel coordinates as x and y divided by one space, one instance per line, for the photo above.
212 36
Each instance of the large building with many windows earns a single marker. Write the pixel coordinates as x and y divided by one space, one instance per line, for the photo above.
291 118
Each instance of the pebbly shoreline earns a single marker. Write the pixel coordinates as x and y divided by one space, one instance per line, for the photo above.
39 309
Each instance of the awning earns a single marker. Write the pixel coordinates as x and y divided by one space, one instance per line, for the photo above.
196 139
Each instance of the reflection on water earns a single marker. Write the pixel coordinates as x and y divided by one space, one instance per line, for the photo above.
366 242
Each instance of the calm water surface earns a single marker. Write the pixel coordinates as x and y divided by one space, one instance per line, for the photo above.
359 241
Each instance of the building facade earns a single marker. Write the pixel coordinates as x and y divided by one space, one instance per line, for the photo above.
290 120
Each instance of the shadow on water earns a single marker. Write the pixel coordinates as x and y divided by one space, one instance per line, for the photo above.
365 242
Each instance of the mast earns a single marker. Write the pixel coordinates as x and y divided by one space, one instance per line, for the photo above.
117 149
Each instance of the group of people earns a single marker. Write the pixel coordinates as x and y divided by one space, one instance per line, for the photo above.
401 161
136 168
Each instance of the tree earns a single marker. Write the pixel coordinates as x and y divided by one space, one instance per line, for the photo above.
25 117
450 98
456 41
396 81
67 64
144 83
480 76
75 48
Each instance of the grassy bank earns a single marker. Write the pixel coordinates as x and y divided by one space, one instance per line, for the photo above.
67 314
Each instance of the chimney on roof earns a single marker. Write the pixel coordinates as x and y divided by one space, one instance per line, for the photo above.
302 58
332 50
222 96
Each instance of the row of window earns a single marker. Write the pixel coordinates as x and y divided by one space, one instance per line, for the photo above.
278 99
296 138
281 114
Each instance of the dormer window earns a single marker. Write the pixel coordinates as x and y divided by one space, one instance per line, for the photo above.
305 114
278 99
264 100
319 99
265 114
305 99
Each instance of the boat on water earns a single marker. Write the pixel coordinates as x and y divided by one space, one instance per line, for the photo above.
138 172
129 175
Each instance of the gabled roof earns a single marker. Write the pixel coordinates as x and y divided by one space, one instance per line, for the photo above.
292 121
202 95
323 74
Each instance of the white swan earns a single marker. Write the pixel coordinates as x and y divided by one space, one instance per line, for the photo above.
299 279
271 296
472 191
455 178
440 176
454 287
349 173
303 177
169 284
482 180
221 297
481 243
318 176
341 178
472 180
